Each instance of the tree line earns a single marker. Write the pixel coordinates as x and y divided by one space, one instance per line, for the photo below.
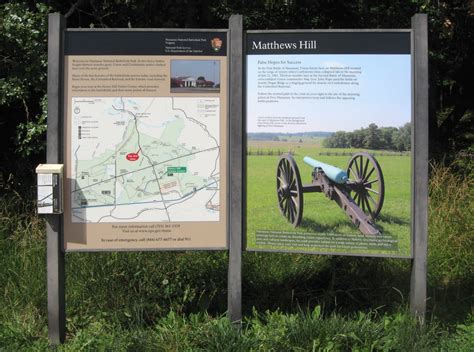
372 137
23 59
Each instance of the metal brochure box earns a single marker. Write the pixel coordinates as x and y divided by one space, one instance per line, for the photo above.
50 188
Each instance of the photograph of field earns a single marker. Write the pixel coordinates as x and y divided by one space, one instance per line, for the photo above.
324 224
328 154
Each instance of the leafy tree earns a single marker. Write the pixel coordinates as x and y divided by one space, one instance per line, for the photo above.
373 138
23 75
341 140
387 135
402 140
23 35
451 40
337 140
357 138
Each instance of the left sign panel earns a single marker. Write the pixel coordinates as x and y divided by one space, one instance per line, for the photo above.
146 140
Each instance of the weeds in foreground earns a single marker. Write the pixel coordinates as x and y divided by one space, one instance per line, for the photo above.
154 301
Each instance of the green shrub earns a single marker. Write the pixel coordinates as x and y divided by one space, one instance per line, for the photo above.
462 340
314 331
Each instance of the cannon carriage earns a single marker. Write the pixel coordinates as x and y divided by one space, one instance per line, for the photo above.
359 191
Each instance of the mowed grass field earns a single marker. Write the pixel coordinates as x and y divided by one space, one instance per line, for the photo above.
290 143
321 215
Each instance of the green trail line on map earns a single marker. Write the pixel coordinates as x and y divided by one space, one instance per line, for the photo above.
149 138
145 155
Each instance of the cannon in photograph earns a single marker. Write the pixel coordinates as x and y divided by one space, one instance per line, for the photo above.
359 191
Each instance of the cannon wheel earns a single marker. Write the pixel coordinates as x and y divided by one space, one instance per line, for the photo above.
366 183
289 189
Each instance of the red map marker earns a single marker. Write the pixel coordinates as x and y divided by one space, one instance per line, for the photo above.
133 156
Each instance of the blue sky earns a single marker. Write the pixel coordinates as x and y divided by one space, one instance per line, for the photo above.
384 89
195 68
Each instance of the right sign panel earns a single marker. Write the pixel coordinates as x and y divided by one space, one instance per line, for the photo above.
329 142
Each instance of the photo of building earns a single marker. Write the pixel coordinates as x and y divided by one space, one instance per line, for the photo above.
188 76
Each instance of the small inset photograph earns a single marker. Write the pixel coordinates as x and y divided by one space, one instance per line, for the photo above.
195 76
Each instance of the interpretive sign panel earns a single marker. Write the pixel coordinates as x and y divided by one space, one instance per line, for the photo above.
329 132
146 140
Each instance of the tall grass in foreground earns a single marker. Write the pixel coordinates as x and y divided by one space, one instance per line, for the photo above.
175 300
22 272
270 331
451 240
451 225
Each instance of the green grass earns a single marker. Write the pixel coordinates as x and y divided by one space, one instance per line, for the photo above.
321 215
291 143
174 301
270 331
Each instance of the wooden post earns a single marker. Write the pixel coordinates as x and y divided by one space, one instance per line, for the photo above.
418 283
234 294
54 155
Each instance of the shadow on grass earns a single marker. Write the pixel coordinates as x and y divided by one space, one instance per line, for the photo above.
313 226
342 284
392 219
384 220
346 285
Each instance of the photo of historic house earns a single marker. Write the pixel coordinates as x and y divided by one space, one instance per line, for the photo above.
188 76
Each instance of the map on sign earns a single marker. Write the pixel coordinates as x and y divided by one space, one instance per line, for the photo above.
137 159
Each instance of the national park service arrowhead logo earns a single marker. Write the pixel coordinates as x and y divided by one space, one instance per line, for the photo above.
216 44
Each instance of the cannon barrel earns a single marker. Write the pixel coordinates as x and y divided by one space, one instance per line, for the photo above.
333 173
